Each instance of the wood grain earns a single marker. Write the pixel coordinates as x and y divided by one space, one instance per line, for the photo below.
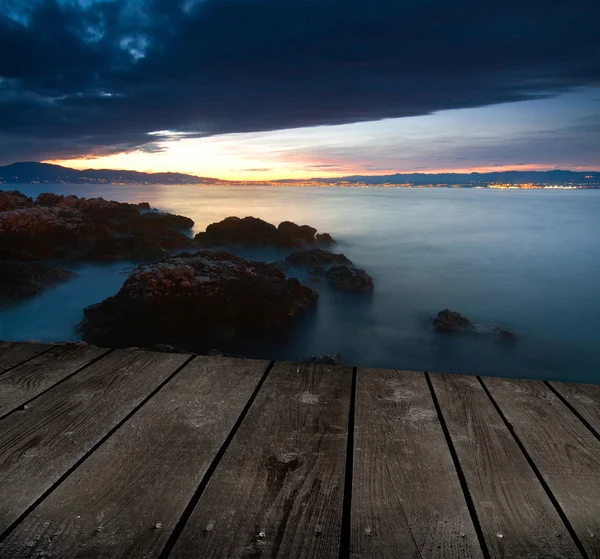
39 444
564 451
12 354
516 516
585 398
33 377
406 495
278 490
126 498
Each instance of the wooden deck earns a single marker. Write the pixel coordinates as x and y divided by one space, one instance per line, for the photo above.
115 453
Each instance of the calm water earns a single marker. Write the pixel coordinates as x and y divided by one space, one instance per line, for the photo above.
529 261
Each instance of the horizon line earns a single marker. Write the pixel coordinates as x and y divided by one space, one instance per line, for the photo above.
365 174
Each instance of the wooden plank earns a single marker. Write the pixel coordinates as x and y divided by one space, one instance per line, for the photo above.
12 354
145 474
585 398
33 377
564 451
406 495
516 515
278 490
41 443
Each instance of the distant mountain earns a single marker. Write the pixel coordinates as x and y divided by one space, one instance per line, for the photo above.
508 177
33 172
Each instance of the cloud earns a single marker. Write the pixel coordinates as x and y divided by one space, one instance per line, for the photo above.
97 76
255 170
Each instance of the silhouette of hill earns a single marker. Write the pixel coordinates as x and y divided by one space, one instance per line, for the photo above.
34 172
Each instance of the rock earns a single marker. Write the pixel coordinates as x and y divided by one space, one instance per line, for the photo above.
254 231
60 226
331 359
168 239
196 301
25 279
166 348
324 238
316 257
288 233
504 334
136 249
13 199
156 221
345 278
451 322
249 230
107 212
38 232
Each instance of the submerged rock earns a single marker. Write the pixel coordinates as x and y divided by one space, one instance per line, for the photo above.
337 269
196 300
166 348
255 231
331 359
25 279
316 257
504 334
451 322
346 278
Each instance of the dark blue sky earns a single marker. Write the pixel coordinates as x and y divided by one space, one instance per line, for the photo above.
290 88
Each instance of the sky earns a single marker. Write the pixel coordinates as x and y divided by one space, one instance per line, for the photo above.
260 89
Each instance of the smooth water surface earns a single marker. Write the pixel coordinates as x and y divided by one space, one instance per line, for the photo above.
526 260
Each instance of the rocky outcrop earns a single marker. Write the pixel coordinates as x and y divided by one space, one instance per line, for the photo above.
13 199
345 278
452 322
196 301
254 231
159 221
25 279
136 249
33 233
57 226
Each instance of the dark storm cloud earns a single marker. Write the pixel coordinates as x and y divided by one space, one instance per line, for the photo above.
96 76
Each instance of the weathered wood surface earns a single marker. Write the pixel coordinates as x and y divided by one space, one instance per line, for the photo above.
39 444
585 399
279 488
126 498
12 354
26 381
515 513
564 451
406 494
140 454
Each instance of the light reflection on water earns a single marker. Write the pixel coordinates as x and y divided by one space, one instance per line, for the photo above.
526 260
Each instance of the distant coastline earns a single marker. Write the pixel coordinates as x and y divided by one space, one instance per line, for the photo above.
44 173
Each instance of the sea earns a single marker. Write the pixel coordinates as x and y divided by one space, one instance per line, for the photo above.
525 260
